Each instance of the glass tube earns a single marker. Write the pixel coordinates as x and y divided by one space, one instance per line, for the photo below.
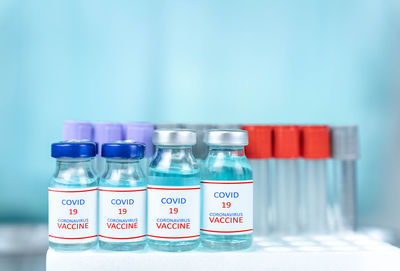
344 195
286 185
315 197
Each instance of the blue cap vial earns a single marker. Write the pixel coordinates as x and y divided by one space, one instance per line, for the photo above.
73 149
123 150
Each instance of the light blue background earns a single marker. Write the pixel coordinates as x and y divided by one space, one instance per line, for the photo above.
311 61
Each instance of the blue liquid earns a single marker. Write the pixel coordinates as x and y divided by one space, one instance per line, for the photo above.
73 173
226 164
130 175
174 178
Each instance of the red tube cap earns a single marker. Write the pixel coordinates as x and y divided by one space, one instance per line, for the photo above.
286 141
316 142
260 141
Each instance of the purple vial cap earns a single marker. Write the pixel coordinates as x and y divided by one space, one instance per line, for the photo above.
141 132
107 132
77 130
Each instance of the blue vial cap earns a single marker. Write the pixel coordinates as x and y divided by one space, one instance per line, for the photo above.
73 149
124 150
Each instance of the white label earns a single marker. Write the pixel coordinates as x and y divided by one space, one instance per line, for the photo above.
122 214
227 207
173 212
72 215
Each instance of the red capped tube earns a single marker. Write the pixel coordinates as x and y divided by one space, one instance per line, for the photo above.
259 152
284 195
315 149
260 141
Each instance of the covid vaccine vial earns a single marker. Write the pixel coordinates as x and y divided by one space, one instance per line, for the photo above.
122 198
227 192
73 197
173 200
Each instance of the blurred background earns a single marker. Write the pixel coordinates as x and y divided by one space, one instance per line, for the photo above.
311 61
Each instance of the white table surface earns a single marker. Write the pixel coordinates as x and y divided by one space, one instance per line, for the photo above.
323 253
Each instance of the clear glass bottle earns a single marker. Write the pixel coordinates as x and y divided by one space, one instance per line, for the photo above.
122 198
73 197
227 192
173 192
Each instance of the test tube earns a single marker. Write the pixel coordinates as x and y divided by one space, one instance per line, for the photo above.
141 132
315 151
200 150
77 130
259 152
105 132
345 154
285 184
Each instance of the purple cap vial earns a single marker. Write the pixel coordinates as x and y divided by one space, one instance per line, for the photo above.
77 130
107 132
141 132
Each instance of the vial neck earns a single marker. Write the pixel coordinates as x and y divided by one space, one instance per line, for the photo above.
175 150
235 151
174 158
117 169
68 168
122 164
64 163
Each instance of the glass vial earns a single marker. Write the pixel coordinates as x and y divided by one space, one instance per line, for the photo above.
227 192
122 198
259 152
73 197
173 200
